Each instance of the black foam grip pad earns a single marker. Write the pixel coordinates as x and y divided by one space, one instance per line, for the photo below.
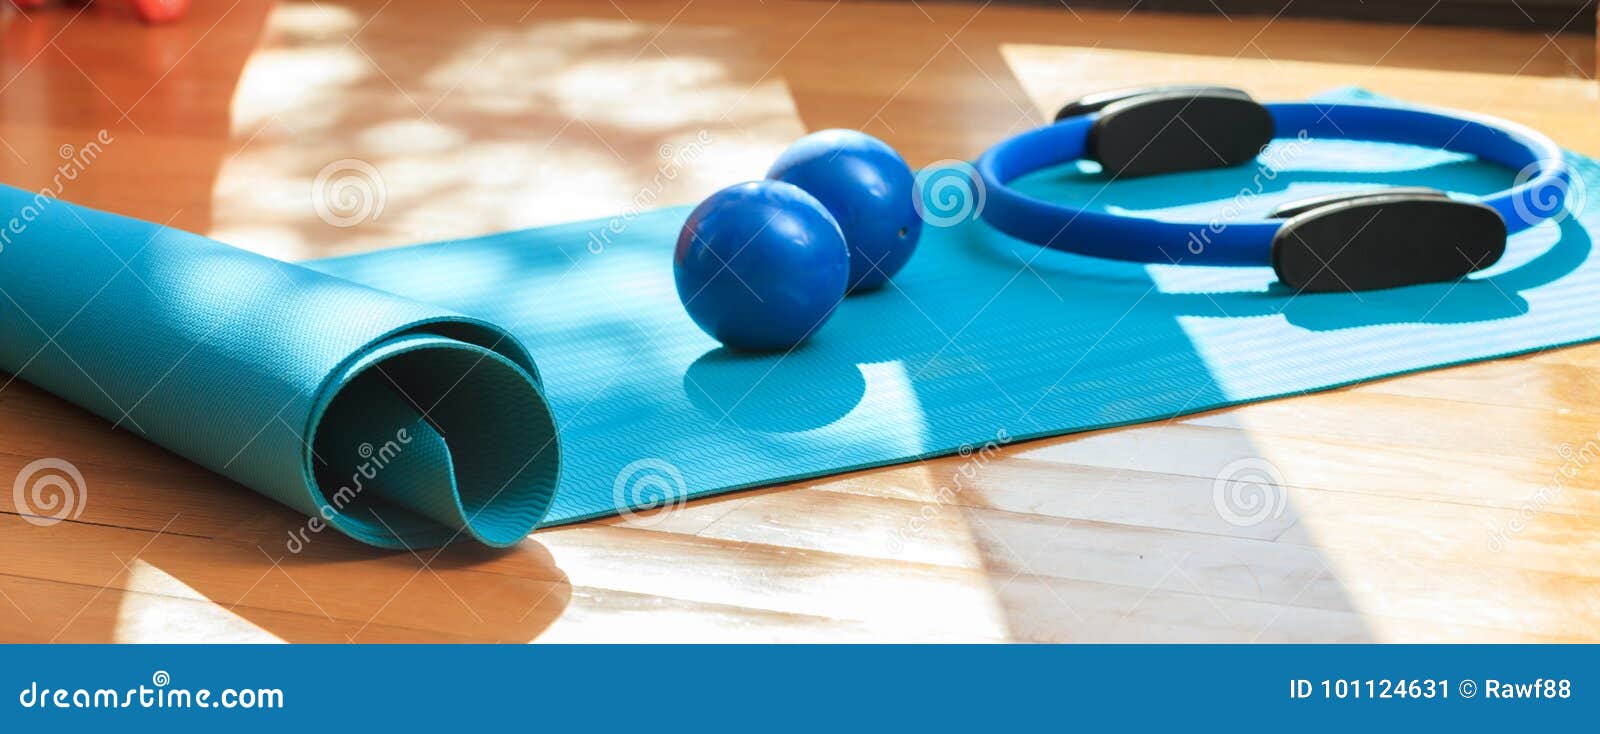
1179 131
1386 241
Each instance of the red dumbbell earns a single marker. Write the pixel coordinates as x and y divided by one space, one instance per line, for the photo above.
149 11
160 11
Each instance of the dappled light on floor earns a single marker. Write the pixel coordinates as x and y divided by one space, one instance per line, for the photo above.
481 128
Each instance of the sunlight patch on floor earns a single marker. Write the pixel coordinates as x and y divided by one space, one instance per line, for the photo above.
147 613
607 133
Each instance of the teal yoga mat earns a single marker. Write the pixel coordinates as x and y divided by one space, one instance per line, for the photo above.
300 380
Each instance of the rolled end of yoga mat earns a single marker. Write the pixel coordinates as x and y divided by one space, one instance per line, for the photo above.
401 424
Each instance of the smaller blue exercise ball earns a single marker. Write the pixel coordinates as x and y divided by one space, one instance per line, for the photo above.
869 190
761 265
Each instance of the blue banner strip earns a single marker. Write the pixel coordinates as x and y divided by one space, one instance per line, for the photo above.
778 688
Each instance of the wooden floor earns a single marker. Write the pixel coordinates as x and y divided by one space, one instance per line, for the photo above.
1452 505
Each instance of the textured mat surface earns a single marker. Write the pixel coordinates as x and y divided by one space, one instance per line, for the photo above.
982 338
399 423
268 372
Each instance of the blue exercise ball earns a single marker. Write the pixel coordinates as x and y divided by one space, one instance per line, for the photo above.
869 190
761 265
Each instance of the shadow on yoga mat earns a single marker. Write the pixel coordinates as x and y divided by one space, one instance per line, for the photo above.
395 394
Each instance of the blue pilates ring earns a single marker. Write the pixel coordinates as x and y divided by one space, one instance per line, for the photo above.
1372 239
